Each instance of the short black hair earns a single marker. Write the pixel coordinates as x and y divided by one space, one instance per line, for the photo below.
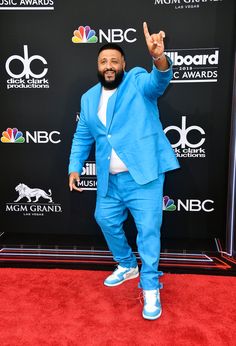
112 46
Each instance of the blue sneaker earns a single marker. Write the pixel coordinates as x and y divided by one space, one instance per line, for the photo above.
120 275
152 304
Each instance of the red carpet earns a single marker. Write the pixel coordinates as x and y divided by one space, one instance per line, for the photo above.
72 307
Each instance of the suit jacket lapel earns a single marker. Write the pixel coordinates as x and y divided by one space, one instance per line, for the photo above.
94 102
112 102
110 106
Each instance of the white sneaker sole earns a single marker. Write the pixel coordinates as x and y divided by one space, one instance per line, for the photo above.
121 282
152 317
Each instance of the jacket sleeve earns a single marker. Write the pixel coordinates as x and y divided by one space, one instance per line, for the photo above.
81 144
153 84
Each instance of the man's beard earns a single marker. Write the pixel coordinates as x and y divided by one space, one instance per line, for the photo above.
113 84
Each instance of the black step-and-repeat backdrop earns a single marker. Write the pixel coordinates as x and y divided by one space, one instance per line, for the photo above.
48 60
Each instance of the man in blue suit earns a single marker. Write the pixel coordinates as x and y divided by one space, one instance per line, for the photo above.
120 114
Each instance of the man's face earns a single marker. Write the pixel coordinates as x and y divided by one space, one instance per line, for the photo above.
111 65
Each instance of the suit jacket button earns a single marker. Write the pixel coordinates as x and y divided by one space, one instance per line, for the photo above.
109 136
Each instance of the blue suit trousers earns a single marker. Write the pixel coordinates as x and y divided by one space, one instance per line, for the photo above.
145 205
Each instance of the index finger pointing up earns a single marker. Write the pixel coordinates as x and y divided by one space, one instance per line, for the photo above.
145 30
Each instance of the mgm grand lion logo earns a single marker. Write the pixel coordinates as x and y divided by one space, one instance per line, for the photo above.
29 193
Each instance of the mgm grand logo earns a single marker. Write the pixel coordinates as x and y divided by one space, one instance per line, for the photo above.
33 202
185 4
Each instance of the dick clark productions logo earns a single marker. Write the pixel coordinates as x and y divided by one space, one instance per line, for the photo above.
26 78
184 146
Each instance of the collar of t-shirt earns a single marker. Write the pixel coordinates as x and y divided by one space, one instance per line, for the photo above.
102 108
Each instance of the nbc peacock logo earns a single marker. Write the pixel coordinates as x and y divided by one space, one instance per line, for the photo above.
12 136
84 34
168 204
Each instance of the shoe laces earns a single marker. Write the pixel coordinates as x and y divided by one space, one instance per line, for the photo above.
140 297
118 270
151 296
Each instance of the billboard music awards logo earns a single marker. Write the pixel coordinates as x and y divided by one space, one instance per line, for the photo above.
84 34
185 4
33 202
186 144
12 135
88 178
20 70
192 205
16 5
194 65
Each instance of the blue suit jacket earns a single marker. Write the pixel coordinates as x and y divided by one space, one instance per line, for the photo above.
133 129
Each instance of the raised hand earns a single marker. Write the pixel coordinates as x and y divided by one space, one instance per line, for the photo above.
154 42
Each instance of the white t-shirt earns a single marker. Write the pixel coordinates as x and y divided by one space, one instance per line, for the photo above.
116 164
